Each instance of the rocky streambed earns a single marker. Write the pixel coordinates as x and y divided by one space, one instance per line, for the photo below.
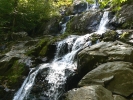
104 68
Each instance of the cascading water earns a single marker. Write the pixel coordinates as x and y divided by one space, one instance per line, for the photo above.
63 65
56 77
63 24
102 27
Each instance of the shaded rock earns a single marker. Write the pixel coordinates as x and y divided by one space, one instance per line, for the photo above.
19 36
80 7
103 52
109 24
110 35
118 97
94 92
85 22
44 47
115 76
41 84
52 27
124 18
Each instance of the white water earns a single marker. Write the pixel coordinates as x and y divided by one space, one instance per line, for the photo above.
63 61
102 27
24 91
63 26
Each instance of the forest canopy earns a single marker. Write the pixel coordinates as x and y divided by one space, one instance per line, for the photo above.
25 15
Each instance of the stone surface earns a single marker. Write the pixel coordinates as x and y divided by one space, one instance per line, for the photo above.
115 76
102 52
118 97
124 18
126 36
94 92
85 22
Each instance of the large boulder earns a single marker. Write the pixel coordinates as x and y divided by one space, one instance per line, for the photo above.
115 76
94 92
91 57
85 22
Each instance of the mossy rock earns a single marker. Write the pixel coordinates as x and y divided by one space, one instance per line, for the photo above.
124 36
85 22
12 73
123 18
94 38
127 36
110 35
45 45
35 51
11 77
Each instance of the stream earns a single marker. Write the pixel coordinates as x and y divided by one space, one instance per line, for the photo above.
62 67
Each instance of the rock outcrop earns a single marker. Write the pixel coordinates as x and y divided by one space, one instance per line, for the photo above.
85 22
94 92
123 19
103 52
115 76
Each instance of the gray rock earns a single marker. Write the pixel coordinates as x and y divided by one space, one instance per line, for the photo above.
126 36
123 18
85 22
91 57
118 97
94 92
115 76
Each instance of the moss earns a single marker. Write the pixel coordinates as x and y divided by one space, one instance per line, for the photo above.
110 36
13 73
43 51
124 36
35 51
128 25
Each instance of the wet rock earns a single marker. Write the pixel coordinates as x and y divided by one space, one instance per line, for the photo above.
94 92
85 22
102 52
110 25
115 76
81 7
64 50
40 84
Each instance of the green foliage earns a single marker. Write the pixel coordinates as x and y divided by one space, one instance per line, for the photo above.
124 35
60 3
115 4
90 1
24 15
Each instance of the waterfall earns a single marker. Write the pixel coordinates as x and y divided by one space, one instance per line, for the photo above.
63 24
62 66
27 84
57 74
102 27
